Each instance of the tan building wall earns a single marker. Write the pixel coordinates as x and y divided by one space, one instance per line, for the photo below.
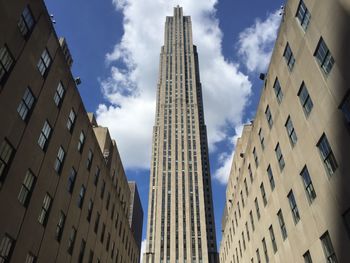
30 225
320 214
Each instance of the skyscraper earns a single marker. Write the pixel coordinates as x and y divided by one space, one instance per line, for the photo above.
181 225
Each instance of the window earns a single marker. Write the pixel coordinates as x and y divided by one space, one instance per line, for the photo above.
26 22
305 99
6 154
307 257
261 138
45 209
71 120
44 135
257 207
255 157
345 108
246 186
251 219
303 15
263 194
103 186
265 249
97 221
289 57
26 104
60 226
71 240
258 256
279 156
268 116
58 97
103 233
293 207
278 90
324 56
71 180
81 251
250 173
81 196
270 176
6 248
26 188
90 207
44 62
327 155
328 248
30 258
291 131
97 175
6 63
247 229
310 191
273 239
81 141
59 160
282 224
89 159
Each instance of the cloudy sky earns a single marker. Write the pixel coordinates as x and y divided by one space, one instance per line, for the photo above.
116 44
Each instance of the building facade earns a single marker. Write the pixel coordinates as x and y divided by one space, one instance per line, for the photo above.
181 225
287 197
64 196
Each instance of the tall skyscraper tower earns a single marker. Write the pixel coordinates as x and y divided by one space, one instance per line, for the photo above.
181 225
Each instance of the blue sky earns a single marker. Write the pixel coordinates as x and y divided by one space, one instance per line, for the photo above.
115 45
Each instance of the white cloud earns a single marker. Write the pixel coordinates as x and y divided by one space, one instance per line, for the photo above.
255 42
131 88
143 249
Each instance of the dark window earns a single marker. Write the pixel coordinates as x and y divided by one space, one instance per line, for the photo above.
324 56
45 209
90 207
6 248
291 131
89 159
71 120
265 250
310 191
270 176
59 160
289 57
103 186
81 251
71 180
327 155
278 90
81 196
279 156
91 256
273 239
303 15
268 116
26 104
26 22
293 207
97 221
6 155
30 258
328 248
97 175
307 257
108 200
59 94
305 99
257 207
103 232
250 173
251 220
345 108
44 135
81 141
44 62
258 256
246 186
60 226
26 188
6 63
71 240
261 138
255 157
263 194
282 224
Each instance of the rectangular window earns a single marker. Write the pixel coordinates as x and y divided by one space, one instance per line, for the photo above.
268 116
59 94
246 186
258 256
257 208
81 251
303 15
273 239
262 139
282 224
97 222
291 131
89 159
71 120
271 178
6 155
6 63
71 180
305 99
289 57
324 56
310 191
265 250
44 62
103 232
6 248
44 136
327 155
263 194
26 188
307 257
250 173
81 196
90 207
279 157
255 157
26 22
97 175
59 160
345 108
247 229
328 248
278 90
71 240
81 141
103 186
45 209
25 106
30 258
252 219
60 226
293 207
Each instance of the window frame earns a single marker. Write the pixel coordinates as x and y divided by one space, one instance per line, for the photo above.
305 18
26 105
328 158
23 23
289 57
292 135
45 134
7 62
44 63
294 207
308 185
325 61
7 153
27 187
268 116
279 157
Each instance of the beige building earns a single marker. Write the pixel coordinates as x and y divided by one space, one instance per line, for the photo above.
64 196
288 195
181 225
